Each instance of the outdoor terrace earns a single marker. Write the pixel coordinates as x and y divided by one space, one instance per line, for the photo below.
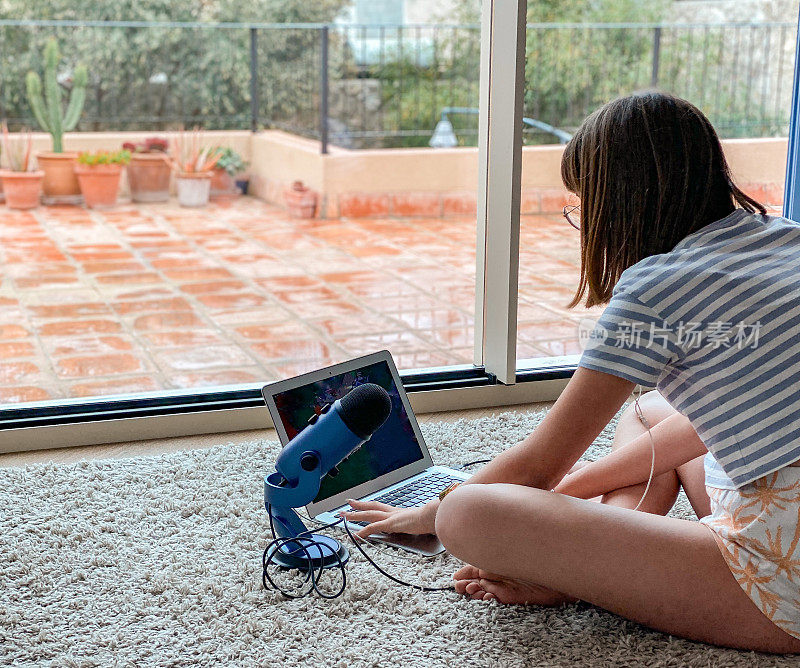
148 297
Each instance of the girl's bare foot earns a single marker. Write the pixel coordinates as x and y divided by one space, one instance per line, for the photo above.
484 586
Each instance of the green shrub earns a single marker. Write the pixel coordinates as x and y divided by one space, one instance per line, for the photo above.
230 161
122 157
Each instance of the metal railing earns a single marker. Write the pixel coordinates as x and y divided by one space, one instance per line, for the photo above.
739 74
372 86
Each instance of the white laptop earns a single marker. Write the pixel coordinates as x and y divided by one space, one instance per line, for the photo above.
394 466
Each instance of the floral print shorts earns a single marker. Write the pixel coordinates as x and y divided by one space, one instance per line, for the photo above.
757 528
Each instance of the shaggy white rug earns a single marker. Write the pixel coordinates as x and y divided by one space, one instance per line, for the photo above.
155 561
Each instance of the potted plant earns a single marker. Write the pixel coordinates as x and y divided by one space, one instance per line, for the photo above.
149 171
193 165
59 183
22 186
229 165
98 175
301 201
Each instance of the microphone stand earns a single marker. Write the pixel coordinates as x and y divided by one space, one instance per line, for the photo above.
309 551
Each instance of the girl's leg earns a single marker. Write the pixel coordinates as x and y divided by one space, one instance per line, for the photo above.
659 500
531 587
693 478
659 571
664 488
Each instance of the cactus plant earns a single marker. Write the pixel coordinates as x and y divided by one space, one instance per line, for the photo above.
48 108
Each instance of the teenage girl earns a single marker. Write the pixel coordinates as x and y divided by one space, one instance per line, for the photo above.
703 303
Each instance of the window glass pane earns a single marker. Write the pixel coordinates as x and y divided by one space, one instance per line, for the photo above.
379 12
738 74
148 295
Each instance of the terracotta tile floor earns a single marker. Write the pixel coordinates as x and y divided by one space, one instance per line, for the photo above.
148 297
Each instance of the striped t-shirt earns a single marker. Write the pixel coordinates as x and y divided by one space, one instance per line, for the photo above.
714 324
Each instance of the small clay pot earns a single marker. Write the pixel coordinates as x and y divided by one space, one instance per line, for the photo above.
148 177
60 182
99 184
22 189
301 201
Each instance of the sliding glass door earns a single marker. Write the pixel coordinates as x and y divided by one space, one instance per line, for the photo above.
404 193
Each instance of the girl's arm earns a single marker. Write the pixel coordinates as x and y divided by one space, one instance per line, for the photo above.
676 442
584 408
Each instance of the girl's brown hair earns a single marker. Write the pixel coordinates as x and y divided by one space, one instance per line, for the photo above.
649 170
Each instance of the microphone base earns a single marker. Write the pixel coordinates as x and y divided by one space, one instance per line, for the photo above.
326 553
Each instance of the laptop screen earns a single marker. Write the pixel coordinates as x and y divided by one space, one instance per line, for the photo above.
393 446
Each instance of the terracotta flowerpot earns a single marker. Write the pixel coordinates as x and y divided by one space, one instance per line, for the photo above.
22 189
99 184
60 183
222 184
2 194
194 188
300 201
148 177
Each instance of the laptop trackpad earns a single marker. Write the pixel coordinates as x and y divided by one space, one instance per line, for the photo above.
425 544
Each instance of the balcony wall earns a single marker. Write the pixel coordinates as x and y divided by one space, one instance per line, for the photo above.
442 182
420 182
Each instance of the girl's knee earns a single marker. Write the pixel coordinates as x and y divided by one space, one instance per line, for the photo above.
462 517
471 515
654 401
652 405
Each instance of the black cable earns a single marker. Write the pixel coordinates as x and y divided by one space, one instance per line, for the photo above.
313 574
383 572
304 542
477 461
310 573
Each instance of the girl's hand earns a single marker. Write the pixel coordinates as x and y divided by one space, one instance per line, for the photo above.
384 518
586 480
569 485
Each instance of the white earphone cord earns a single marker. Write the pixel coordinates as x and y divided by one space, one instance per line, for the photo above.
643 420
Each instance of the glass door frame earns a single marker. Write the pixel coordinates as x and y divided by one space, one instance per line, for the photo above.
791 196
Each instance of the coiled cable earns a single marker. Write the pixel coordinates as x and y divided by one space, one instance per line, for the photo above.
307 545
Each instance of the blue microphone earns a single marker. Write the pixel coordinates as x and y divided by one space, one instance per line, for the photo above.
330 437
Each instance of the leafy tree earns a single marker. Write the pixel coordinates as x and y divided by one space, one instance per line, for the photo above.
162 76
568 71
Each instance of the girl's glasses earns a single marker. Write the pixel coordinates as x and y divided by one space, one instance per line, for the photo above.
570 211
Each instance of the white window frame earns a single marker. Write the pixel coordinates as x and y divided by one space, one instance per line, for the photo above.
499 182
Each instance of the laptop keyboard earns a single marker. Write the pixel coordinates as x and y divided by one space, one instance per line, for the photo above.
416 493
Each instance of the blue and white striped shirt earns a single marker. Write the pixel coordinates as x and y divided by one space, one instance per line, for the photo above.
714 324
